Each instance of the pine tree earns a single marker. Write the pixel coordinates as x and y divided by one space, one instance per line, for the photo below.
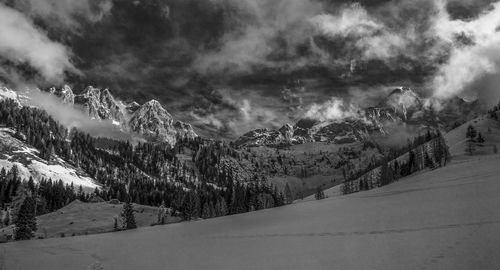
127 215
115 223
220 207
26 220
319 195
480 138
191 205
206 212
471 133
162 213
288 195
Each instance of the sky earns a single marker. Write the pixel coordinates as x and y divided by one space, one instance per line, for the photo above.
230 66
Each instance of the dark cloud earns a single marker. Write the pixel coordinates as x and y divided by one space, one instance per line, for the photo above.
468 9
231 65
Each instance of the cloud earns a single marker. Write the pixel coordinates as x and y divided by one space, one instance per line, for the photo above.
260 33
368 96
74 116
361 30
229 114
22 42
468 64
65 13
333 109
288 36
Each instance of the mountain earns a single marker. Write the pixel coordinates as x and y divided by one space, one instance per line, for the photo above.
403 107
403 102
153 121
100 104
286 135
150 119
65 94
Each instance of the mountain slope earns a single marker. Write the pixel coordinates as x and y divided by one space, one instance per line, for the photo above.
442 219
14 152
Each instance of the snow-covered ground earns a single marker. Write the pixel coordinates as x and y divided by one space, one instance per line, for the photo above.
15 152
7 93
442 219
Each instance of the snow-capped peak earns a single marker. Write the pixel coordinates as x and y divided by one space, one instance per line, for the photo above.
154 121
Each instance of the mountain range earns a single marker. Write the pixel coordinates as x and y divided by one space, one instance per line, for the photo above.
333 145
149 120
403 108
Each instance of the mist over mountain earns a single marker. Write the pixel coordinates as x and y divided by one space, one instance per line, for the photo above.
229 66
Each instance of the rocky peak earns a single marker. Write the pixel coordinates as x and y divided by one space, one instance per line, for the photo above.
287 130
286 135
154 121
403 101
153 110
65 94
132 107
100 104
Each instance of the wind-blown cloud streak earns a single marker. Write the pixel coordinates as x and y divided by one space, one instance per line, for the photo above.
23 42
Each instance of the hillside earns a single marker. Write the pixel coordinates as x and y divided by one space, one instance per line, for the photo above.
442 219
489 129
78 218
16 152
456 141
305 167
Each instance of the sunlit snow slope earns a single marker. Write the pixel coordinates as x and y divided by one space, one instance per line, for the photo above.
443 219
25 157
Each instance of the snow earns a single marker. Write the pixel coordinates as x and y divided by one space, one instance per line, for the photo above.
23 171
7 93
56 172
442 219
15 152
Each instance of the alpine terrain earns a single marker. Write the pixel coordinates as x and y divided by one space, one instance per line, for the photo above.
249 134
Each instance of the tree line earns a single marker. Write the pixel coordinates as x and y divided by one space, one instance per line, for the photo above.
146 173
425 151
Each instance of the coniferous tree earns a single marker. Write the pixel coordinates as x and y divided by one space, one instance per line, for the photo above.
288 194
480 138
320 194
162 214
115 224
206 212
220 207
25 224
127 215
471 133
